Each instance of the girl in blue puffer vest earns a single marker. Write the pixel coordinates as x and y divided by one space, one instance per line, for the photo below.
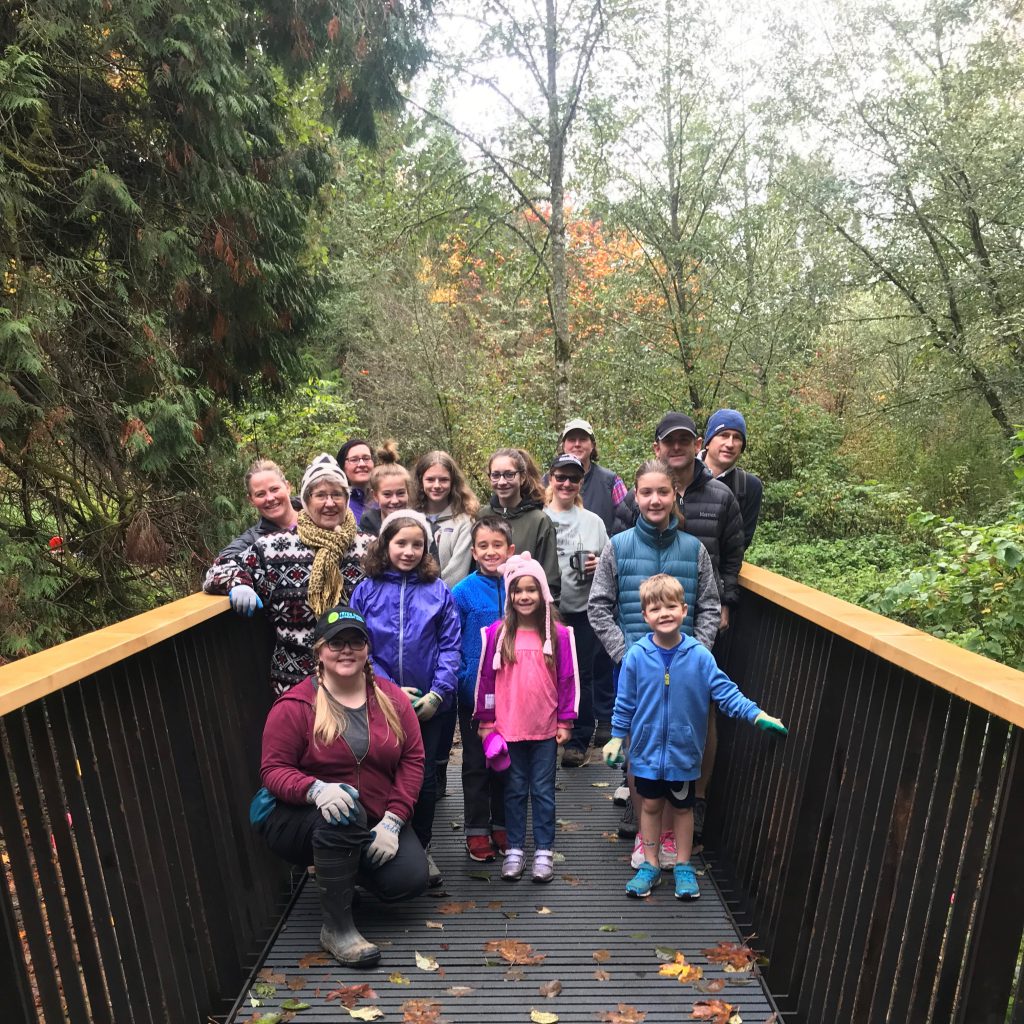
414 637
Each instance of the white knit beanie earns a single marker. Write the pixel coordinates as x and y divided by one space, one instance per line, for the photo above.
323 467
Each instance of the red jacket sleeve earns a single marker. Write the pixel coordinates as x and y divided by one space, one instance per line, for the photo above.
285 737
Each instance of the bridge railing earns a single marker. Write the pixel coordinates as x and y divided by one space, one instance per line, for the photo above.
880 848
132 888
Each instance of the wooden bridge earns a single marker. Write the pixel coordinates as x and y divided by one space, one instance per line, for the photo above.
876 854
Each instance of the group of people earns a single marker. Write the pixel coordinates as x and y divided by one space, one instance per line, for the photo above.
565 612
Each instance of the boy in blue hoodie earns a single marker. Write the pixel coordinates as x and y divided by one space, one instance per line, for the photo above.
665 686
480 600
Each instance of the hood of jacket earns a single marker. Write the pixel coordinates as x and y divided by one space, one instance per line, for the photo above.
514 513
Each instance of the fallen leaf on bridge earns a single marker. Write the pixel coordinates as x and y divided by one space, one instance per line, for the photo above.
625 1014
550 989
680 969
420 1011
366 1012
349 995
314 960
271 977
459 991
295 983
732 955
426 963
711 987
515 974
602 956
601 975
514 951
294 1005
457 908
398 979
543 1017
715 1011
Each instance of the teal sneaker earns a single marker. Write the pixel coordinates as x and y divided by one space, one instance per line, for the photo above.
647 878
686 883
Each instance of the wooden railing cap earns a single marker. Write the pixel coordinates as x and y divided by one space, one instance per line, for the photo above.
989 684
48 671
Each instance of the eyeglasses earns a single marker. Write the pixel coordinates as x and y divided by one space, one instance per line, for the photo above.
505 474
353 643
360 458
561 478
335 496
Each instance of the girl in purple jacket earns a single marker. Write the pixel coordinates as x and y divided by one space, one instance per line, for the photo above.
528 692
415 638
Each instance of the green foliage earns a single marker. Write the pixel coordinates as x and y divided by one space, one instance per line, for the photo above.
970 589
159 169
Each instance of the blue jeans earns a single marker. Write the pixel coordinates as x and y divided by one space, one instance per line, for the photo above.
532 776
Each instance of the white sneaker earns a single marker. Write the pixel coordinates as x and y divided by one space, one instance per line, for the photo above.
667 851
621 796
637 857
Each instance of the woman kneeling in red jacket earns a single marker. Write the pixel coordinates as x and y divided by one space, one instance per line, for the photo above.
342 766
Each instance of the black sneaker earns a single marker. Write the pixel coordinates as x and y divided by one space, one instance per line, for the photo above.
628 827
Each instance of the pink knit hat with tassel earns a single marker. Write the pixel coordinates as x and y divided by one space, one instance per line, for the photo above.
525 565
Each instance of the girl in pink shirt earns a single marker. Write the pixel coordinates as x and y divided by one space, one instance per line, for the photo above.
528 690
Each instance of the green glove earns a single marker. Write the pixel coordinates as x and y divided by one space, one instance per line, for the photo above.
770 724
612 752
426 707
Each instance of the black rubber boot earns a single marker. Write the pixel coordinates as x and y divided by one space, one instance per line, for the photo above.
336 872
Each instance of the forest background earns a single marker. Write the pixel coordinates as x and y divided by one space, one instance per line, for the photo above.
235 228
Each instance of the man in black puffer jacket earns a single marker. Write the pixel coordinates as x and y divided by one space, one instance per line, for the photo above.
707 507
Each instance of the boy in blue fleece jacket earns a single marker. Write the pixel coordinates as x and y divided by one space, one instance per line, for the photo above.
665 686
480 600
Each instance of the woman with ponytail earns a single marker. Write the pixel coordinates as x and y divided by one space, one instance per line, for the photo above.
342 766
298 575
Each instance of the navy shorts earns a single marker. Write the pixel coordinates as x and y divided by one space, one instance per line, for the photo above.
680 795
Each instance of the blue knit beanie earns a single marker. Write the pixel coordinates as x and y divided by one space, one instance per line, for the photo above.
726 419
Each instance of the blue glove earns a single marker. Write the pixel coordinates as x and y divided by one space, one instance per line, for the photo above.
769 724
244 600
336 800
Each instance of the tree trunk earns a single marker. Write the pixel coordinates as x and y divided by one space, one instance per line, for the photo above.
558 291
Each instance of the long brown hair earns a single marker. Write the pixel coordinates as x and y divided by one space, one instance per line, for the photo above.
462 498
329 721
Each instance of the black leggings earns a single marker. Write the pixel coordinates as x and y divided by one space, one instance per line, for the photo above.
294 832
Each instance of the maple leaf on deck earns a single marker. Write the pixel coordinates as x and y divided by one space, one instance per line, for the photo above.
625 1014
420 1011
713 1010
680 969
734 956
349 995
514 951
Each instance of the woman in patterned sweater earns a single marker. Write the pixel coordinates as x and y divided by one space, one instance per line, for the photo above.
299 573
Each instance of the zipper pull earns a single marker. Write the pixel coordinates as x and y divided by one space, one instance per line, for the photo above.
666 677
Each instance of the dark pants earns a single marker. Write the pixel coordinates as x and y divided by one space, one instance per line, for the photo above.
532 776
604 685
447 738
586 648
294 832
483 791
433 732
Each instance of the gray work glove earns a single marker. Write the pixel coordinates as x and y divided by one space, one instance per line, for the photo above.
385 839
336 800
244 600
427 705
